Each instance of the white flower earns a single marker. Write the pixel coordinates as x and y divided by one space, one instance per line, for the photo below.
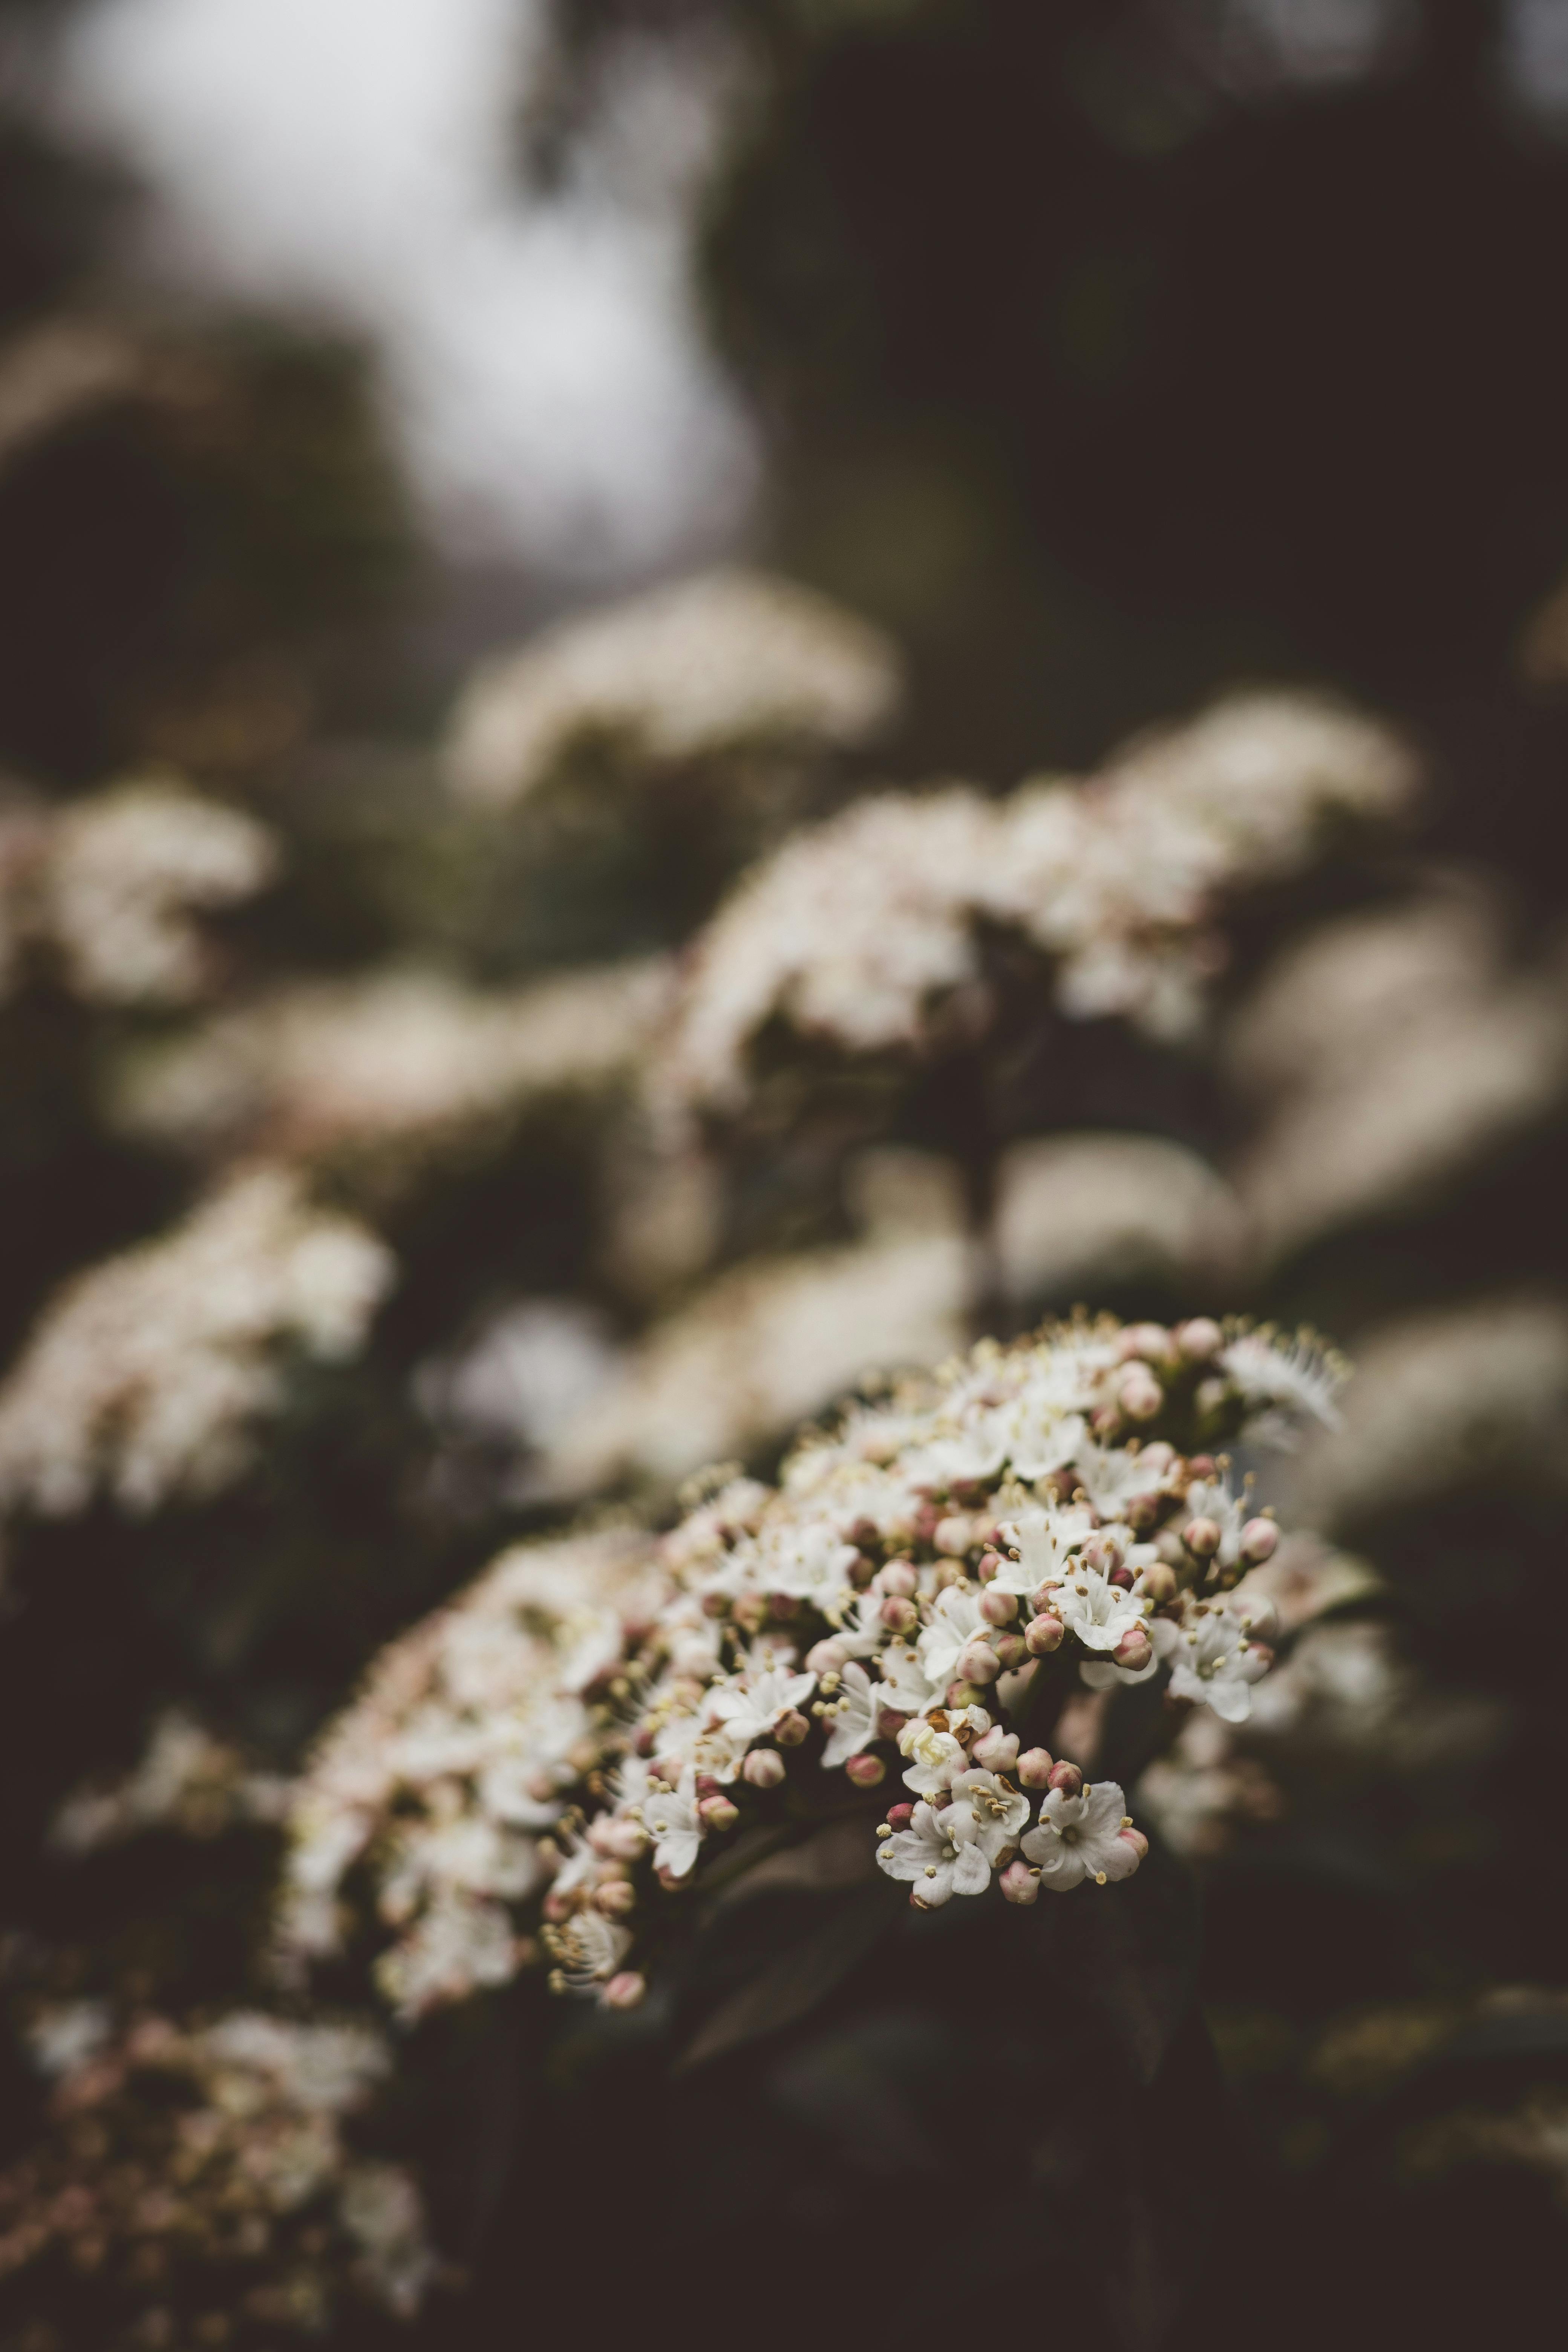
904 1680
1297 1377
1080 1837
750 1705
936 1758
587 1948
1047 1541
671 1819
852 1723
955 1622
940 1854
1111 1475
997 1810
861 1630
1101 1613
1213 1663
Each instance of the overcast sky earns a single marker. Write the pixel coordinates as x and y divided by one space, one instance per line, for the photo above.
541 360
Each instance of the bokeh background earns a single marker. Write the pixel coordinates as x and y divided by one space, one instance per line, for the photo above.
363 371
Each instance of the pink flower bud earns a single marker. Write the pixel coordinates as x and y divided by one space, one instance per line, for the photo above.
996 1750
625 1990
1067 1779
1139 1394
998 1608
1010 1651
960 1695
1134 1650
1136 1839
923 1524
1202 1465
978 1663
991 1565
1158 1584
1105 1420
953 1535
889 1723
866 1772
617 1840
557 1908
717 1812
1199 1339
1020 1884
826 1657
1122 1577
1150 1340
898 1578
616 1897
1104 1552
706 1785
899 1615
1034 1767
1042 1635
1258 1539
1261 1652
946 1572
1201 1536
763 1768
900 1816
791 1729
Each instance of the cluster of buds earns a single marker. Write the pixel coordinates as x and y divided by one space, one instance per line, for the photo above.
907 1610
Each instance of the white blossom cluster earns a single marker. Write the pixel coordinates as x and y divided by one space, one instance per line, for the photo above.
394 1062
709 664
453 1759
922 1585
201 2175
185 1780
865 932
112 884
145 1373
1388 1053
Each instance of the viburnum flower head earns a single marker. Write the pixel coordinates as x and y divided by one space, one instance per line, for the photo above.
912 1603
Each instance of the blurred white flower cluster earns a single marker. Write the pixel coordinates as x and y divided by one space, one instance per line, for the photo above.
452 1760
111 886
200 2175
711 664
186 1780
912 1593
392 1063
865 932
144 1376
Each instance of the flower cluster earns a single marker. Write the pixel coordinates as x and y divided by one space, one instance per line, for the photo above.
185 1780
147 1372
195 2189
392 1063
866 930
111 885
919 1594
456 1754
709 664
1387 1053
